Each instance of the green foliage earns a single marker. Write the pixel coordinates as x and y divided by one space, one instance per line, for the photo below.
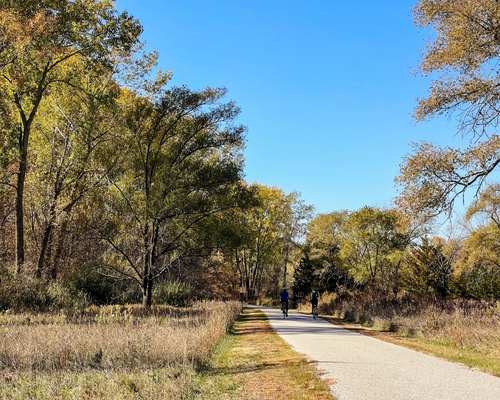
29 294
101 289
481 282
363 246
478 266
63 297
304 279
325 234
173 293
381 251
264 237
182 166
372 238
427 270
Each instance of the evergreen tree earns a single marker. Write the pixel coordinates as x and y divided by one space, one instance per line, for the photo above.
428 270
304 279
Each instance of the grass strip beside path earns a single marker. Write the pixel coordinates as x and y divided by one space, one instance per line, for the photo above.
253 362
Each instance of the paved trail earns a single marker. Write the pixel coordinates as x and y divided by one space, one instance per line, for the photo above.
364 368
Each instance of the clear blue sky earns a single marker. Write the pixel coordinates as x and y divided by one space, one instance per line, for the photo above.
327 88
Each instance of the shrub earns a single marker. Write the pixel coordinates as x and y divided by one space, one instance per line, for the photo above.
23 293
326 305
365 319
101 290
393 326
63 297
173 293
480 282
268 302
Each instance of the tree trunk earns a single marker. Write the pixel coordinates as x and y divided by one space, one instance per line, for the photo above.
47 233
147 280
47 236
147 293
59 247
21 178
24 136
285 267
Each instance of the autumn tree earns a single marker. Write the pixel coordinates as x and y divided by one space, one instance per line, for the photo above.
373 240
477 269
73 130
487 206
296 215
323 244
266 238
180 164
39 40
258 254
464 55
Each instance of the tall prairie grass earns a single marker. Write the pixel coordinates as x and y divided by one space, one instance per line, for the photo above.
120 347
465 324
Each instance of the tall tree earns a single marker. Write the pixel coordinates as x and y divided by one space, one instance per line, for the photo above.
73 130
464 54
297 214
268 234
372 237
478 266
427 269
181 164
304 279
40 39
324 240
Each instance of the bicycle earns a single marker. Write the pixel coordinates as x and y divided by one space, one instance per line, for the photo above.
314 311
284 309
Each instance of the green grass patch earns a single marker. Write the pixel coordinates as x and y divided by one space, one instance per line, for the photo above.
472 358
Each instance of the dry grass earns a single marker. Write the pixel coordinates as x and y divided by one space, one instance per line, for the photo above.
118 349
478 330
463 331
115 339
165 383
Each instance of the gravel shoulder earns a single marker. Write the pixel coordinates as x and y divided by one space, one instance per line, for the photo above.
365 368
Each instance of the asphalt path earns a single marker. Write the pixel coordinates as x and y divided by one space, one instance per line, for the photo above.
360 367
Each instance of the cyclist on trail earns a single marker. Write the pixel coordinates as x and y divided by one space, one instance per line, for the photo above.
284 301
314 303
